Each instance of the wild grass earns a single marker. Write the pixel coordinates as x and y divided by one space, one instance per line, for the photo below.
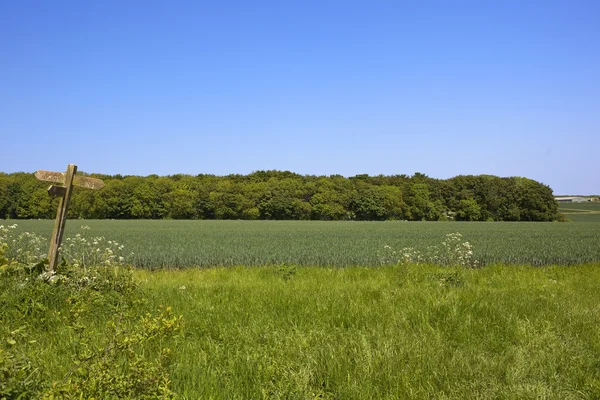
392 332
159 244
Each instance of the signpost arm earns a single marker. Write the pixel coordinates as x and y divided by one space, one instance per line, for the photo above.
61 217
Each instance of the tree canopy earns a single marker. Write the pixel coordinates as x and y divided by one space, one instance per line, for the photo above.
279 195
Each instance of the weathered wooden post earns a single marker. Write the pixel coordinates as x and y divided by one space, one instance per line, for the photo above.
67 180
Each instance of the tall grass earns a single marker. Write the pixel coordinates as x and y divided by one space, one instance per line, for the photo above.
392 332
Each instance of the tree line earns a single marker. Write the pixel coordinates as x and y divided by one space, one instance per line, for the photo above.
283 195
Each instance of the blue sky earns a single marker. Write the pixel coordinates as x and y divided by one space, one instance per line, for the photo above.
509 88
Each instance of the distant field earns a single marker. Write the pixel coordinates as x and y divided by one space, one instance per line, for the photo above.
581 212
587 206
583 217
160 244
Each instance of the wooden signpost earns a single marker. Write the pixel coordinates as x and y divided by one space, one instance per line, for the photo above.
66 181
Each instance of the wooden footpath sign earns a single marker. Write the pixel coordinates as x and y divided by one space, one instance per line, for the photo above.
66 181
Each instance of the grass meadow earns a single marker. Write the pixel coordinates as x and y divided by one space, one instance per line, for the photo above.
176 244
394 332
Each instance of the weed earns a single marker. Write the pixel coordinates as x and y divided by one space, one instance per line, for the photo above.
454 251
286 272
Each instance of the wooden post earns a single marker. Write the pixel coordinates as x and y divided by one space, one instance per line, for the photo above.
64 192
61 218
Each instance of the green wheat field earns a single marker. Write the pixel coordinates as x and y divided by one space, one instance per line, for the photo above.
176 244
581 212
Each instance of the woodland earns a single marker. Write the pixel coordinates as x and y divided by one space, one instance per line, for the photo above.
284 195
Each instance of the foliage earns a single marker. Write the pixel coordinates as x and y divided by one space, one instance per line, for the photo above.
108 361
277 195
117 369
19 377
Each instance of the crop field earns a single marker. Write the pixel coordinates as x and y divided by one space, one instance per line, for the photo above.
581 212
174 244
590 206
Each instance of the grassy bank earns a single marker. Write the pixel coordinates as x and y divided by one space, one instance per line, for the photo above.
355 333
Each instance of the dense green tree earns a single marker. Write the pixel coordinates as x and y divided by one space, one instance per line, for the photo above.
4 200
328 203
377 203
468 210
421 206
286 195
535 200
180 204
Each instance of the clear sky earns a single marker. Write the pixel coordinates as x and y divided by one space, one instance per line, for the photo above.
509 88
